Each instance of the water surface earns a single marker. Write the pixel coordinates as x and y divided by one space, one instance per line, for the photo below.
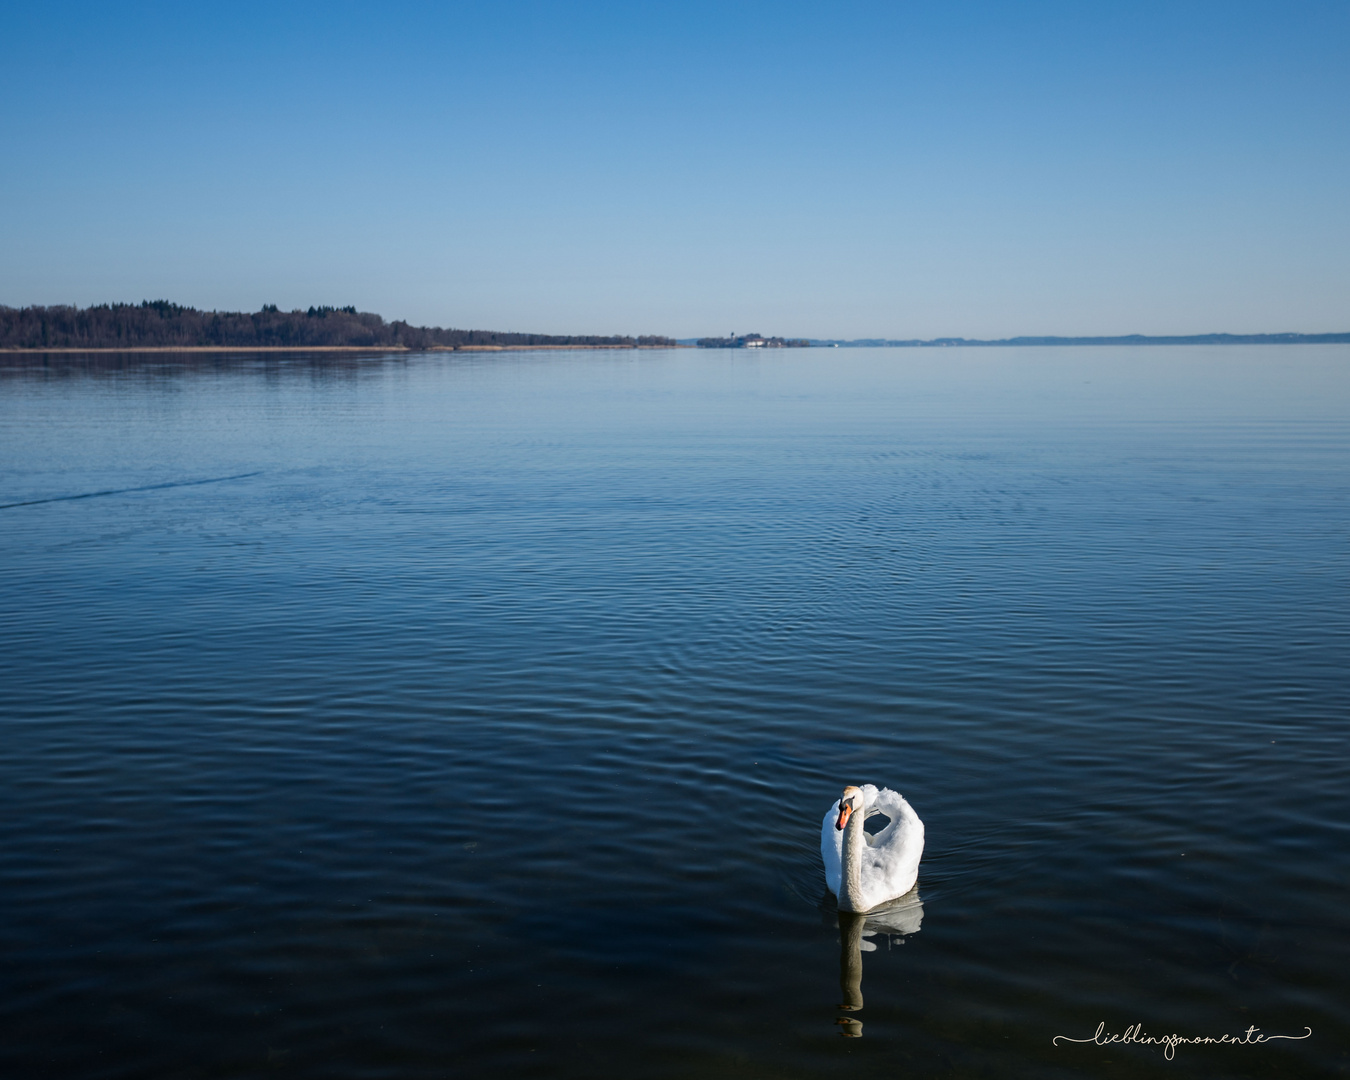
419 716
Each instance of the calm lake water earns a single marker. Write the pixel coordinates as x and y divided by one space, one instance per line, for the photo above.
421 716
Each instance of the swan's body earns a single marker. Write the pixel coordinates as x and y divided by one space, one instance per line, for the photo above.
864 871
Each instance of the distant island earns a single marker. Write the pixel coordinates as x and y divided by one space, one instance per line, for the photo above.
1124 339
159 324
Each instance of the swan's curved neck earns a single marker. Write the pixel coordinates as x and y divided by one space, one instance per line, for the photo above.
850 887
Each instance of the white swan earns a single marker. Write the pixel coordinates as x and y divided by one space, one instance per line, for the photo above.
866 871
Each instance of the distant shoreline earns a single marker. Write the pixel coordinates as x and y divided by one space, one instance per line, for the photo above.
159 326
1122 339
866 343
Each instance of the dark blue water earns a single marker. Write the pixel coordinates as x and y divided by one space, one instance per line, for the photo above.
480 712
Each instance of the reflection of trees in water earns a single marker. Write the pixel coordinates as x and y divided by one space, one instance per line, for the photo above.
901 919
171 366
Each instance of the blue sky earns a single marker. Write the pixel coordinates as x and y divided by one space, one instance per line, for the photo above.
829 170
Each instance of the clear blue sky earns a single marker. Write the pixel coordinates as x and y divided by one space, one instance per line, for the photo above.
831 170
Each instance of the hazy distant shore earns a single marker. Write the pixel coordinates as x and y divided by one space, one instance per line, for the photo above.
159 326
1122 339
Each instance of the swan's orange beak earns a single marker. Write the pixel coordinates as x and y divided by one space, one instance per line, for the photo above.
845 810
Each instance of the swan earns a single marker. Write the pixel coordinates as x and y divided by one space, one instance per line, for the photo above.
865 871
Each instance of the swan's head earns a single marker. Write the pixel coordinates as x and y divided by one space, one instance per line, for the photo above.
849 804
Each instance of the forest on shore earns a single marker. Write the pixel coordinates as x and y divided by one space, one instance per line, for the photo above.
161 324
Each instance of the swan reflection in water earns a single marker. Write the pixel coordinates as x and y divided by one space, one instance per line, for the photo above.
856 932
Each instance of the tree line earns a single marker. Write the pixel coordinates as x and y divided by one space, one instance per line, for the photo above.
159 324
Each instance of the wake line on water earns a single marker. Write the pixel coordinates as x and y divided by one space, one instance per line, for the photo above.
124 491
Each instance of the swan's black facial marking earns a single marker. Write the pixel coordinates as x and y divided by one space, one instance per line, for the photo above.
846 808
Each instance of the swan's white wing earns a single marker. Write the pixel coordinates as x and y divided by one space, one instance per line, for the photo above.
891 867
832 849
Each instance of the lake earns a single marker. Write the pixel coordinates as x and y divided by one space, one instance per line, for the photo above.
425 715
